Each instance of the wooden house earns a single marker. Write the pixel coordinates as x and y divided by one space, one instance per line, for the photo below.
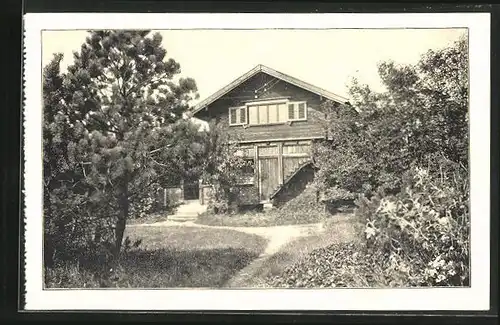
276 118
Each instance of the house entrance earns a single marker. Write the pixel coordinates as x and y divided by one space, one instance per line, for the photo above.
191 190
268 177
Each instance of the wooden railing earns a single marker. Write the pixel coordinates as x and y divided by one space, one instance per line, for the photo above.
289 177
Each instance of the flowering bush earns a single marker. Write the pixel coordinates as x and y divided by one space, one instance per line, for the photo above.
422 111
422 233
223 168
143 206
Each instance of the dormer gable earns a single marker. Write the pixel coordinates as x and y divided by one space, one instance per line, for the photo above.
257 85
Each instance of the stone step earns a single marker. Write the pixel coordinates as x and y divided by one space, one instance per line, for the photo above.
182 218
187 213
267 206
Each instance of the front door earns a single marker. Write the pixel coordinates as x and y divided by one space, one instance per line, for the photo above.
191 190
268 177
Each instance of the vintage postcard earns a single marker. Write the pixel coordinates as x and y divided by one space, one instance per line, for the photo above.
257 161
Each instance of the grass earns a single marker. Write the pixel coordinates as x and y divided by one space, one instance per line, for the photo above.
342 228
152 218
274 217
246 219
169 257
302 209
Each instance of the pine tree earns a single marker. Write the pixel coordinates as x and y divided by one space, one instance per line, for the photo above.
124 94
56 136
182 153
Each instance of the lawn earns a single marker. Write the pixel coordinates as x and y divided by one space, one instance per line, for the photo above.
170 257
273 217
151 218
302 209
342 228
246 219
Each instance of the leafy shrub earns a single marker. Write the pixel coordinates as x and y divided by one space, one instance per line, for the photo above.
336 265
74 224
223 168
422 233
417 237
146 205
302 209
422 111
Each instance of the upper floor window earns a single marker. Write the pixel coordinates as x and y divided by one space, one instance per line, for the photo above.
237 115
272 112
297 111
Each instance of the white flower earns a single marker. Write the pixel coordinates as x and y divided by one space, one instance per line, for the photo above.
370 232
443 221
387 207
421 172
438 262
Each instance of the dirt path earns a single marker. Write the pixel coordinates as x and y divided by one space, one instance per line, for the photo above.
277 236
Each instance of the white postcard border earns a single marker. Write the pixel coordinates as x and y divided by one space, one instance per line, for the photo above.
474 298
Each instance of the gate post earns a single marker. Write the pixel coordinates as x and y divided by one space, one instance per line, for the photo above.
200 191
164 198
182 190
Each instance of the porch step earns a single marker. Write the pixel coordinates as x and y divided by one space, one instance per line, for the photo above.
267 206
182 217
188 211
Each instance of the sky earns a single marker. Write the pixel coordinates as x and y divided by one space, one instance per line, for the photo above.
325 58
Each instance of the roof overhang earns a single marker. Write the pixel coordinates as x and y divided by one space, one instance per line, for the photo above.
279 75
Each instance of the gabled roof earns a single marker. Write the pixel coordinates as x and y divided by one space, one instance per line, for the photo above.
279 75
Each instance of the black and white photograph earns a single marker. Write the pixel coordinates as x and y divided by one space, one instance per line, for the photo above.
263 159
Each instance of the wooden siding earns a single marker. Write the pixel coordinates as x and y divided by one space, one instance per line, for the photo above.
295 186
268 151
313 128
290 165
275 74
297 149
276 148
275 163
246 152
268 177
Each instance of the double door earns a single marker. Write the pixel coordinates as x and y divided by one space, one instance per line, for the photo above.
269 176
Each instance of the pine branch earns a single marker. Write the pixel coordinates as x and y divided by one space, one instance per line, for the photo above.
134 194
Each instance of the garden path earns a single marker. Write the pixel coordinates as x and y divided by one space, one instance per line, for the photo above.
277 236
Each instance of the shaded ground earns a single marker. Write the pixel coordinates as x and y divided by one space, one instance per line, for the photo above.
276 235
301 209
285 244
339 230
191 256
168 257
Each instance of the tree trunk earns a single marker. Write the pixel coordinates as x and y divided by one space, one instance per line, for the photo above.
122 217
